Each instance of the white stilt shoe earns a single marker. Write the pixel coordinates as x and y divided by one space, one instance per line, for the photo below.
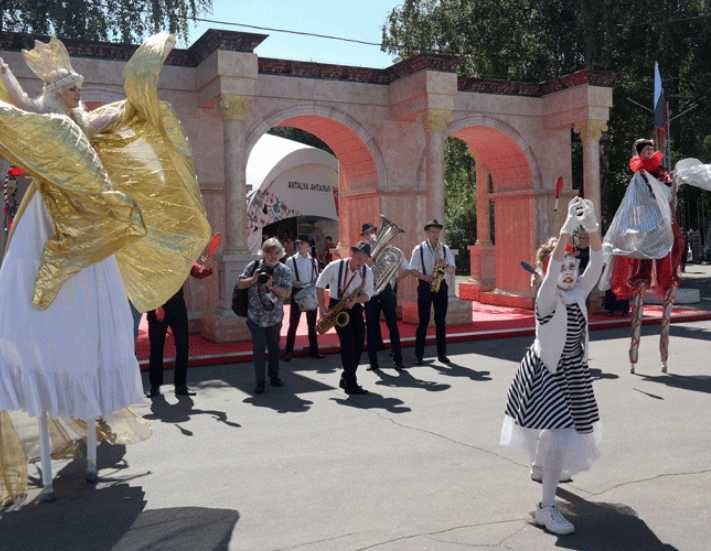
552 520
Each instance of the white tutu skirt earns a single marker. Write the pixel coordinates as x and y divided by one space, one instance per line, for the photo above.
580 454
75 359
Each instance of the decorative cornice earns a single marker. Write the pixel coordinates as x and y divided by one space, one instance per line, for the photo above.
531 89
234 106
215 39
323 71
210 41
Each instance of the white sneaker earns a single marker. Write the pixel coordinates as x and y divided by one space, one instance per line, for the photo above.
552 520
537 475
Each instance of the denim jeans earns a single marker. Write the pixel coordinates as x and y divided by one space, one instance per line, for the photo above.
265 339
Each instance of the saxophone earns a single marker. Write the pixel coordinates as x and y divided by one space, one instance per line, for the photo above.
338 316
438 275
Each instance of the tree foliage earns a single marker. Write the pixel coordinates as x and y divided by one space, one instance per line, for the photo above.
122 20
460 203
536 40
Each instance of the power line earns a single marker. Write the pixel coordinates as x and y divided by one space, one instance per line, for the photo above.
289 31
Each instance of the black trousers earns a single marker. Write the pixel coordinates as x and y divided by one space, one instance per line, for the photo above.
425 300
294 318
176 317
385 302
352 339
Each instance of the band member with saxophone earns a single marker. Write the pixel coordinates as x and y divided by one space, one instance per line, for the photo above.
351 280
386 302
432 260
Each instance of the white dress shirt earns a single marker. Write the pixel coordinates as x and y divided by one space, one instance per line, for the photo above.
428 253
329 278
308 269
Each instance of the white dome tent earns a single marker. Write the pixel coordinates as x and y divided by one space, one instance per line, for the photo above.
291 179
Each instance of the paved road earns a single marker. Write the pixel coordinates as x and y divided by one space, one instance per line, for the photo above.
413 466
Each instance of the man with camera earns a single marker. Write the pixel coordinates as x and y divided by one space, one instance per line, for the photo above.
269 284
348 279
304 271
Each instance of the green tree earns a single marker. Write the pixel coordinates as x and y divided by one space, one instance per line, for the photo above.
535 40
460 200
123 20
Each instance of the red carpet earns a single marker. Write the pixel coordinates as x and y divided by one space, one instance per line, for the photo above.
489 322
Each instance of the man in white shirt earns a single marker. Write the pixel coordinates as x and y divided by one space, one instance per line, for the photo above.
352 280
426 258
386 302
304 271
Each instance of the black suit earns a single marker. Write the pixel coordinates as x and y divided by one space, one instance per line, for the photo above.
387 302
176 317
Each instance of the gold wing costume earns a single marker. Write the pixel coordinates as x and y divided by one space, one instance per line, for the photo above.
119 181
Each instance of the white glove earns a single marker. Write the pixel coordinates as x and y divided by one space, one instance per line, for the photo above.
573 220
589 219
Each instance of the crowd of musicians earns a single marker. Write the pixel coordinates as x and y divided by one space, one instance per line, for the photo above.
360 291
353 305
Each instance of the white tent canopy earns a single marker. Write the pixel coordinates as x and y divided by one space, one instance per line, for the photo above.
287 179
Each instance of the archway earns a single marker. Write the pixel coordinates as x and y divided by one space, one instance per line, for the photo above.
361 165
508 181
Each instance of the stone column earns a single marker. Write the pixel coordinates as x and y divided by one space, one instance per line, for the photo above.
482 253
590 131
221 324
435 122
482 205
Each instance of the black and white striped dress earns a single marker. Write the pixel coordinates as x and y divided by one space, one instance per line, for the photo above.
538 399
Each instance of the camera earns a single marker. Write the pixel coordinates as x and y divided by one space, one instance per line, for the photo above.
264 274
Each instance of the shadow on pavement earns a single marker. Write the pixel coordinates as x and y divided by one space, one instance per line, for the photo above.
697 383
113 518
690 332
281 400
598 374
181 412
404 379
606 527
373 401
457 370
88 518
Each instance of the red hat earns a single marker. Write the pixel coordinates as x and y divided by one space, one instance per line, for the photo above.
15 171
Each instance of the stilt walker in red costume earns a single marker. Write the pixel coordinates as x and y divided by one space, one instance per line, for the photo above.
644 244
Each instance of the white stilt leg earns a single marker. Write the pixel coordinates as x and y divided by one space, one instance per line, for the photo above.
91 451
48 489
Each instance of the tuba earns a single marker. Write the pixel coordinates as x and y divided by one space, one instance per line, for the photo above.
386 259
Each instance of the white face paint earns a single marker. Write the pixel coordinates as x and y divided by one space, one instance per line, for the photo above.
568 273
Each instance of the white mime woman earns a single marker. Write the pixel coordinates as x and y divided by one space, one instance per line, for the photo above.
551 412
66 338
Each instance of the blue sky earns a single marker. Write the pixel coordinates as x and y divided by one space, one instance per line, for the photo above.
362 19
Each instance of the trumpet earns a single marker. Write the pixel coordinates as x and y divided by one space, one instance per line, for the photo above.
338 316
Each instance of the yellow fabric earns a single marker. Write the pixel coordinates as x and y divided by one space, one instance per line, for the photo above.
131 192
92 221
148 157
19 443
